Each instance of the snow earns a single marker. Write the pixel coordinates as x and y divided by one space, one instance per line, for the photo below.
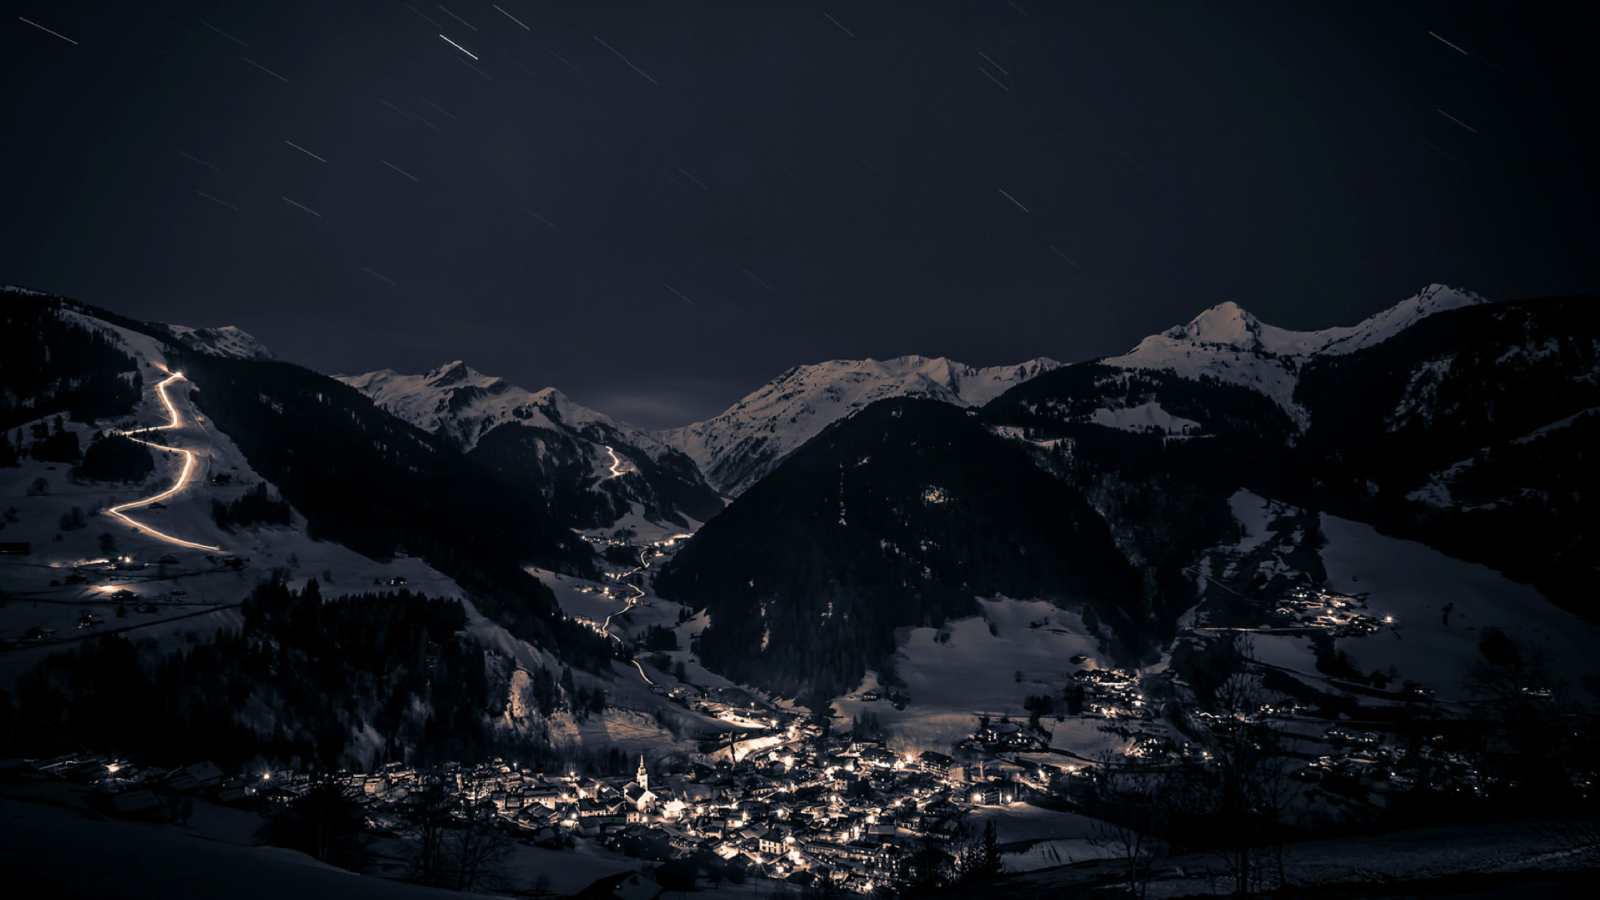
1144 417
1436 492
739 446
1228 343
205 584
464 405
56 846
1412 582
1555 426
1254 514
1053 837
225 341
975 671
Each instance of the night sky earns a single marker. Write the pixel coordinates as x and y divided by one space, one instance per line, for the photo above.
658 206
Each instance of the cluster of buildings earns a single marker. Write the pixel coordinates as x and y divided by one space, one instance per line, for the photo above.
1364 760
1340 614
1111 694
849 812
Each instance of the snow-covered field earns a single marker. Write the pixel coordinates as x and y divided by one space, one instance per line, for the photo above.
54 848
1413 582
975 671
181 591
1052 837
1144 417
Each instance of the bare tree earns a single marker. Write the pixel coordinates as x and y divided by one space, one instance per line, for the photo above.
477 849
428 814
1132 802
1235 804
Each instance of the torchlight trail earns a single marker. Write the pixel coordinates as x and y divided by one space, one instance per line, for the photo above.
616 464
184 477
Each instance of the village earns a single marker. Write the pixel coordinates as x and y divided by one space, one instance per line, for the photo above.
801 801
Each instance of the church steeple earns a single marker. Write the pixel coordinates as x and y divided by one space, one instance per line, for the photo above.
642 777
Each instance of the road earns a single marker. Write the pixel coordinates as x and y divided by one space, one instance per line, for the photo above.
631 602
184 478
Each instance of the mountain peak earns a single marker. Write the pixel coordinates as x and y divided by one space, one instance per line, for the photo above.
1226 323
742 444
1228 343
229 340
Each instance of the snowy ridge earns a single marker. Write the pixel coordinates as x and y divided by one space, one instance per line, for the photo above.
738 447
1146 417
1229 344
226 341
463 404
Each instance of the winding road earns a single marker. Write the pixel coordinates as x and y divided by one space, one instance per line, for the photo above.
184 478
605 627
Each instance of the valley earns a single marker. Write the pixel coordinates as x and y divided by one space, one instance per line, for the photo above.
1074 603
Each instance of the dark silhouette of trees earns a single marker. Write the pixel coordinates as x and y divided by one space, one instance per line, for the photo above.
323 668
325 822
254 508
50 362
116 458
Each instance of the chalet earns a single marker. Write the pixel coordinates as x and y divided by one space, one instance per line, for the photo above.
544 795
194 777
934 763
774 841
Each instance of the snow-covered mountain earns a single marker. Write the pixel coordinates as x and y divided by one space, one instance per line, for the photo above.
463 404
228 341
591 467
1229 344
736 448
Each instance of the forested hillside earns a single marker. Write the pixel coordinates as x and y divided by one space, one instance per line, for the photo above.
900 515
379 486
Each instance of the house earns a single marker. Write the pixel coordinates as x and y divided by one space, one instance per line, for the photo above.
934 763
774 842
194 777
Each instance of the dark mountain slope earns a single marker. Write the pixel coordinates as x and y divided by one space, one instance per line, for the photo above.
900 515
1472 431
379 486
50 364
560 467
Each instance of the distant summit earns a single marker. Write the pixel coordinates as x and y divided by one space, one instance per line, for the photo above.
738 447
594 470
227 341
1229 344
